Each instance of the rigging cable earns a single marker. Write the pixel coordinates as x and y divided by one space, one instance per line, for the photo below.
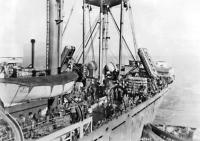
87 44
91 47
71 12
79 51
92 42
96 22
119 32
133 31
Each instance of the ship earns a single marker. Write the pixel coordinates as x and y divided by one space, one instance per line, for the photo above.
77 100
167 133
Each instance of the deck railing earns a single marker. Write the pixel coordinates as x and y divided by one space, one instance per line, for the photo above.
67 134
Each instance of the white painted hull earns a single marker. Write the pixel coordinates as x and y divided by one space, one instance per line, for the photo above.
127 127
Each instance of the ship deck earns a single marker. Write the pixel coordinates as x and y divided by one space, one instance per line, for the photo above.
120 122
101 123
106 127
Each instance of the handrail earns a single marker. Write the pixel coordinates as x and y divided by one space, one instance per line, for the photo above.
18 135
62 132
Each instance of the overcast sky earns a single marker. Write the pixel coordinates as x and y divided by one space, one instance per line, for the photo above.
170 26
170 29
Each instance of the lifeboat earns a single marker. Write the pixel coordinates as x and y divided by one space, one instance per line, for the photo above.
17 90
147 62
165 71
163 68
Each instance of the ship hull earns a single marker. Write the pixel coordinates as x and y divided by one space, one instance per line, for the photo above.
129 126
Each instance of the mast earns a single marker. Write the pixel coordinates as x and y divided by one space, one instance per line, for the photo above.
121 35
54 38
59 23
103 40
83 32
107 36
100 41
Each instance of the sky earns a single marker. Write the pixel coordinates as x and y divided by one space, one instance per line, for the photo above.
170 29
166 28
173 24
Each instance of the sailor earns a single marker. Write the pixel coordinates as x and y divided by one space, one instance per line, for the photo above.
14 73
30 125
29 119
75 135
2 105
56 111
5 70
91 92
74 138
115 74
130 102
78 86
126 100
109 111
21 120
40 117
2 72
73 111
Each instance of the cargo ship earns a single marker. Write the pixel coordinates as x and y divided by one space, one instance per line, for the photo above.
76 99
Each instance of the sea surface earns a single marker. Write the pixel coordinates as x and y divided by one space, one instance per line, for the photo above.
181 107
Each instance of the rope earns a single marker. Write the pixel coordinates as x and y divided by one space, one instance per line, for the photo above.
71 11
92 43
89 35
117 27
89 38
91 47
79 51
133 31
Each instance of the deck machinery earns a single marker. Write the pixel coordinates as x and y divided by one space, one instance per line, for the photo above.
114 105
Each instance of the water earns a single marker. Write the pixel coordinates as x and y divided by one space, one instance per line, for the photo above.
182 104
181 109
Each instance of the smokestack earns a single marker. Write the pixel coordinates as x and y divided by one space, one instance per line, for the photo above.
33 52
